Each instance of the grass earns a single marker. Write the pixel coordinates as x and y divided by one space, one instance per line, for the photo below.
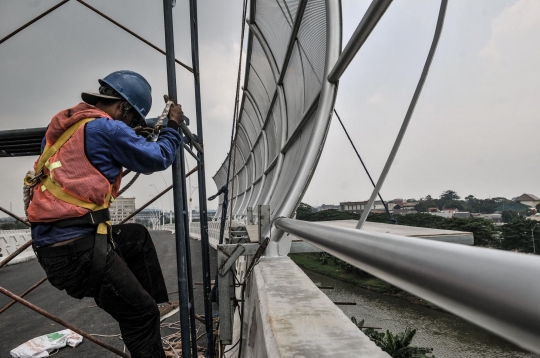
311 262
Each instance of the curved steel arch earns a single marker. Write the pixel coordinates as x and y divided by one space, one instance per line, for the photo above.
299 139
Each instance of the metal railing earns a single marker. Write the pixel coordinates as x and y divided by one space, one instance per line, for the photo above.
497 290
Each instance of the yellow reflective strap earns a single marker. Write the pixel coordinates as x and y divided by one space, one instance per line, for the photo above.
57 192
103 227
49 151
53 165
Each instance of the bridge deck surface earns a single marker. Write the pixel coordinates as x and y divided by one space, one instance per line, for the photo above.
20 324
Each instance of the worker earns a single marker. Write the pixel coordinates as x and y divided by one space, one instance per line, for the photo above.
80 252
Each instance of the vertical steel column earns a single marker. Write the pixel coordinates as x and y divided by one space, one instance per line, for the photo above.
179 192
205 245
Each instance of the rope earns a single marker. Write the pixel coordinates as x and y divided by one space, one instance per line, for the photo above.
236 103
128 184
392 219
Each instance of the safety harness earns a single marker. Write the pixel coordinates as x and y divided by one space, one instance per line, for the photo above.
98 216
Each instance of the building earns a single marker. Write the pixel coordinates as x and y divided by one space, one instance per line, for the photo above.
327 207
462 214
528 199
496 218
358 206
149 214
398 212
512 206
121 208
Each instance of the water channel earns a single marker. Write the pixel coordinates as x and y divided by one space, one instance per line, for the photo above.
450 336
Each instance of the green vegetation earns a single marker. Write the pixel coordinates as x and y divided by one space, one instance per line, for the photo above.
331 266
396 345
307 213
13 225
451 199
516 234
484 231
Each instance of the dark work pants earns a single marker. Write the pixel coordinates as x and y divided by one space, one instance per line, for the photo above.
132 285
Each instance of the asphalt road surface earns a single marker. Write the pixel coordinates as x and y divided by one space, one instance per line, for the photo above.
19 324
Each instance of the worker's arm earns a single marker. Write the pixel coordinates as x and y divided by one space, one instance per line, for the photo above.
111 144
134 152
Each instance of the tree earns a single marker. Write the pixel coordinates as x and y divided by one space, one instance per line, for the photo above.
396 345
412 200
484 206
329 215
538 207
484 231
449 195
304 211
424 205
509 215
518 233
458 204
13 225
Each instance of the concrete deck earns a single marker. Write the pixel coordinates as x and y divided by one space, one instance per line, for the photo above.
20 324
286 315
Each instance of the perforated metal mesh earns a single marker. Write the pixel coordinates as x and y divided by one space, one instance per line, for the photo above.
276 132
293 85
271 20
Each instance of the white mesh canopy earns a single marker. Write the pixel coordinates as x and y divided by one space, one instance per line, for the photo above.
281 127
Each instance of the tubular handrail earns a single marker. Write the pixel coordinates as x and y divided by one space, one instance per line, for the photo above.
497 290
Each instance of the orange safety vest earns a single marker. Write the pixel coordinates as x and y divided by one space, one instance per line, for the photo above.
70 186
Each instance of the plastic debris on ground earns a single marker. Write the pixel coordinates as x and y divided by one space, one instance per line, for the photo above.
41 346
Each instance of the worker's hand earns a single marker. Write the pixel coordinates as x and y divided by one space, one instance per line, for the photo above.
175 113
144 131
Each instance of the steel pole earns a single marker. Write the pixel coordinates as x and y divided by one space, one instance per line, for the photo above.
372 16
497 290
408 115
36 285
15 216
16 253
32 21
203 213
178 191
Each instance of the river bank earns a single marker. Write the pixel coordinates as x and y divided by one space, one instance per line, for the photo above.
449 335
312 263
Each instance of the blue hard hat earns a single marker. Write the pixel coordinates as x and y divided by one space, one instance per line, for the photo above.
133 87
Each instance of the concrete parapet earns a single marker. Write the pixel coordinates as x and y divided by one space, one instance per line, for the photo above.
11 240
286 315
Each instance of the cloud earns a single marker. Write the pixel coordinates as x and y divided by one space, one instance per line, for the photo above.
513 33
376 98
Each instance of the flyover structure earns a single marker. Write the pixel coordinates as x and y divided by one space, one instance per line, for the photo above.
294 62
267 306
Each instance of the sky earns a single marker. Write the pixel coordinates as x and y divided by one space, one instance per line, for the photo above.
474 130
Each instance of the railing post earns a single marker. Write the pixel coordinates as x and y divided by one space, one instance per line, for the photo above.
205 245
179 195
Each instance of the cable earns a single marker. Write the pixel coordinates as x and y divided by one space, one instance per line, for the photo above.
224 189
128 184
392 219
235 120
